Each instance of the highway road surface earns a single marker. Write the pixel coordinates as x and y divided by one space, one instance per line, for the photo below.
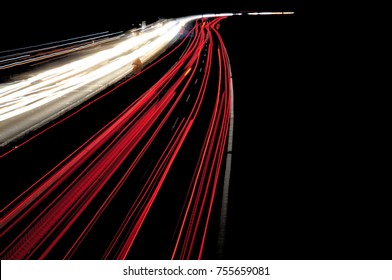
145 183
123 144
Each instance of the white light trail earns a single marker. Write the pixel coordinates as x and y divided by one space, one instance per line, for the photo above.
19 97
270 13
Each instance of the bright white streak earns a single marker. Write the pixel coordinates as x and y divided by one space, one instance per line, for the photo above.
20 97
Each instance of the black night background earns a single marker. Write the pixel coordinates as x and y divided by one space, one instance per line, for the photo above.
294 185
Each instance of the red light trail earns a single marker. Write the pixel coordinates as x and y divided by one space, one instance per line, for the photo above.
76 194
